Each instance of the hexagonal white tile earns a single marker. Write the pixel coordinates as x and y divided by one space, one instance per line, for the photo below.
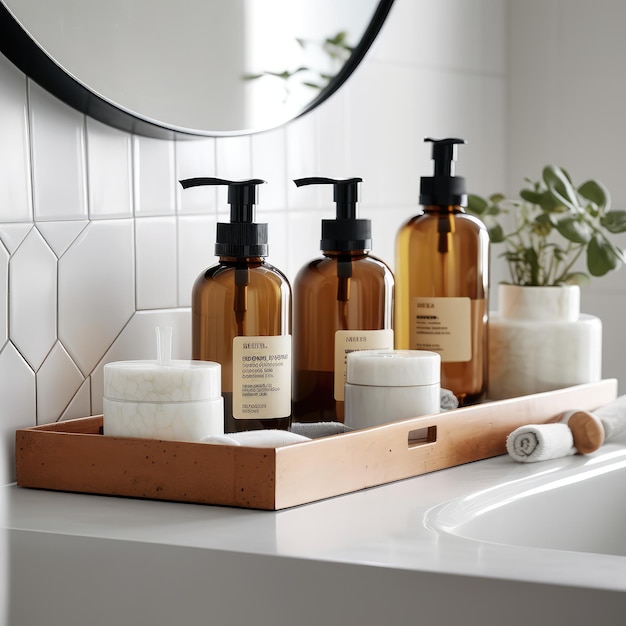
60 235
58 379
96 290
80 406
17 406
12 235
33 300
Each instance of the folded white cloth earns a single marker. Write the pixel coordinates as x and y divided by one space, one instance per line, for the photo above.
257 439
314 430
540 442
447 400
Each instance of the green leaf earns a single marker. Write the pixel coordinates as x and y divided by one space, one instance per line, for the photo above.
544 218
560 186
602 256
496 234
614 221
476 205
573 230
597 193
495 198
340 37
549 203
534 197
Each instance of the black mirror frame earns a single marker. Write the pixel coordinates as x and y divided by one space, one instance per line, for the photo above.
26 55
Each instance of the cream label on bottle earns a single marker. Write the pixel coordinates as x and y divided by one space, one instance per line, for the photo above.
261 377
442 325
347 341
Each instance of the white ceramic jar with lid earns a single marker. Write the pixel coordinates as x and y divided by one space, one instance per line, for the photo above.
175 400
388 385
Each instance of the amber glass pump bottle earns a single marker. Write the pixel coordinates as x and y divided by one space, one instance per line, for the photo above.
442 277
241 317
343 301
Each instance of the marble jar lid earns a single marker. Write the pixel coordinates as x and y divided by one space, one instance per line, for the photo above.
149 381
393 368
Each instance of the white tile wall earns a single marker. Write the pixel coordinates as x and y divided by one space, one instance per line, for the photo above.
195 158
58 158
118 243
33 298
109 170
58 380
96 287
61 235
155 177
4 295
156 262
16 203
196 245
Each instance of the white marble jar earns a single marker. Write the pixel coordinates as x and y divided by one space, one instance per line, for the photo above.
388 385
176 401
539 341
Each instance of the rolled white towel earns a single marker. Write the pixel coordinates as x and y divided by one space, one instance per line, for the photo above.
586 432
257 439
540 442
613 417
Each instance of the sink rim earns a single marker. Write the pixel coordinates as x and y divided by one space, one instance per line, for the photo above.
453 517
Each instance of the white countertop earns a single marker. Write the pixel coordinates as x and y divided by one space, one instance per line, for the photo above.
362 558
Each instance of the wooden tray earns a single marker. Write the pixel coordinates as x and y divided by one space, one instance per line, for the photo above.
73 456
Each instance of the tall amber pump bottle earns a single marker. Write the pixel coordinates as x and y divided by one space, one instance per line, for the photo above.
241 317
442 278
343 301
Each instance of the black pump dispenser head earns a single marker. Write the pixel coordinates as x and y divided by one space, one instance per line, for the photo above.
443 189
242 237
345 233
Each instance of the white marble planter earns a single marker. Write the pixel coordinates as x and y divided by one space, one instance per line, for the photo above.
539 341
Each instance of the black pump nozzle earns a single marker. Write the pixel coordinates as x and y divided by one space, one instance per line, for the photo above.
345 233
443 189
242 237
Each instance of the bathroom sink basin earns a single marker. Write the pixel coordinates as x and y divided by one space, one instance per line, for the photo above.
577 504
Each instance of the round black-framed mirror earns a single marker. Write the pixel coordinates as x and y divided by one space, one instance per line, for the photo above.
320 56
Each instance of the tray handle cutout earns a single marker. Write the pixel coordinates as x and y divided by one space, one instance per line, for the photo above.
420 436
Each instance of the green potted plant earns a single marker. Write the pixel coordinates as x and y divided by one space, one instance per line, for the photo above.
554 224
538 339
